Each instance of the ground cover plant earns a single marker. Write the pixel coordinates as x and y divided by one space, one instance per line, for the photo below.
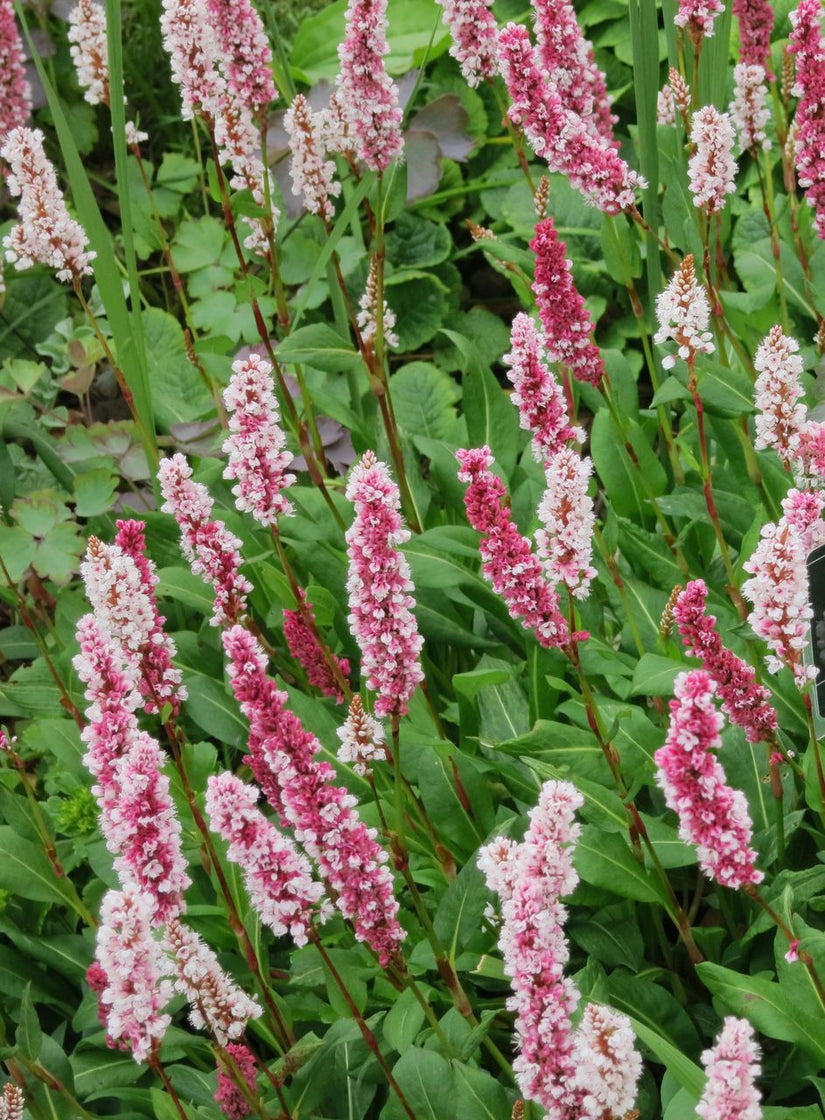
411 488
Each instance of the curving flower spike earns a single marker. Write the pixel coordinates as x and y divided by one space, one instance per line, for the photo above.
778 396
215 1001
474 34
732 1067
744 701
136 970
568 328
570 65
508 563
380 587
368 95
45 234
568 143
712 816
756 19
15 92
229 1098
277 876
246 56
191 41
302 640
212 551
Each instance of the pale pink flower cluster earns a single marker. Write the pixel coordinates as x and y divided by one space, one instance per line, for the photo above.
159 680
744 700
90 55
508 562
808 45
756 20
312 174
732 1067
782 418
474 33
12 1102
45 234
674 97
367 317
713 817
136 970
257 456
245 53
557 134
568 328
590 1073
137 815
191 42
336 127
323 816
749 110
380 589
120 586
608 1065
564 544
368 95
683 312
302 639
711 168
570 65
698 16
15 94
778 587
362 739
278 877
238 143
666 105
216 1003
212 551
536 393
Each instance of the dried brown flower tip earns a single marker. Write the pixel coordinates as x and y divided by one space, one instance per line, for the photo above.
666 623
542 197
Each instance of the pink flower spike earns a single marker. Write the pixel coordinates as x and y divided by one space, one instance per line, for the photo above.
568 328
698 16
565 541
258 458
508 562
807 43
570 64
683 312
45 233
89 50
744 701
748 110
312 174
474 32
711 168
191 42
778 396
732 1067
246 56
229 1098
12 1102
536 393
215 1001
323 816
530 878
756 20
368 312
369 96
608 1066
278 877
778 587
302 640
212 551
380 587
136 970
558 135
120 585
712 816
15 93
